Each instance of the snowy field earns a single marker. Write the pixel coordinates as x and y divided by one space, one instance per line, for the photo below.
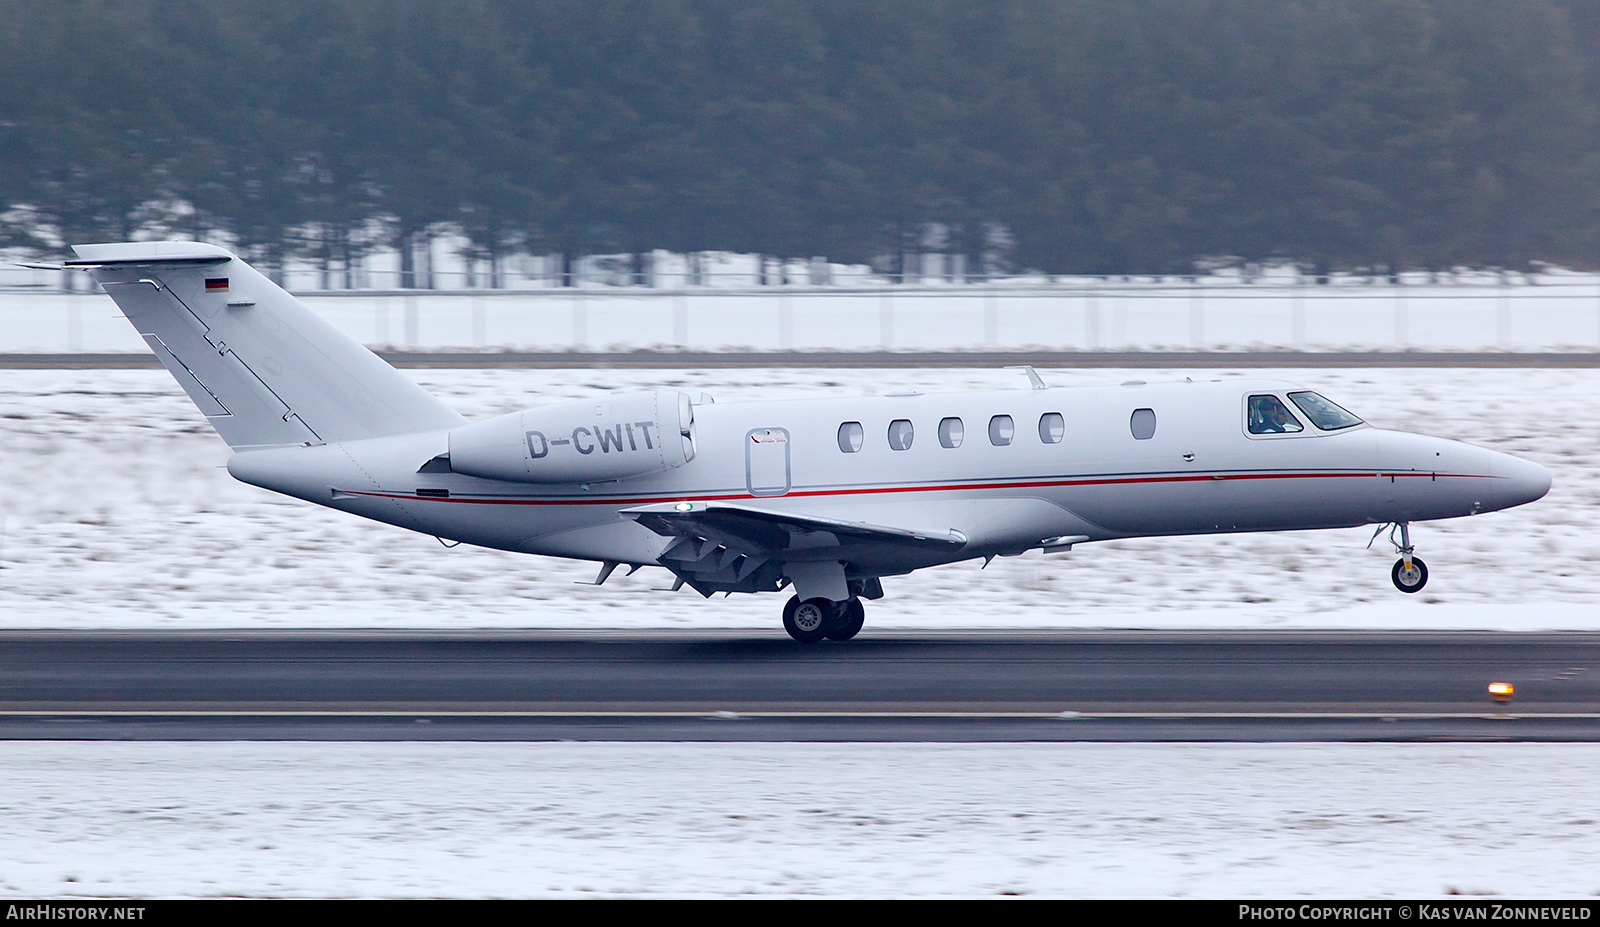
89 820
118 514
1560 313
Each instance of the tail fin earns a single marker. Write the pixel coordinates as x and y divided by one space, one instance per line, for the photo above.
264 368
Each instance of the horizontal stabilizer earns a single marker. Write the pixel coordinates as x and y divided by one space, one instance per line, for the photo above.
148 252
186 259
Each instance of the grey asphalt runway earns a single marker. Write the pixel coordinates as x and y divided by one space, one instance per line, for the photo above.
703 359
883 686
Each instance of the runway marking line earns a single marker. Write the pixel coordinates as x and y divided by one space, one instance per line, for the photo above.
726 715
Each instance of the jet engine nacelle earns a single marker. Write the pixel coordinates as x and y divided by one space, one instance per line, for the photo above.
614 437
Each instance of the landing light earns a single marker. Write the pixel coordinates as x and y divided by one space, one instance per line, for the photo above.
1501 691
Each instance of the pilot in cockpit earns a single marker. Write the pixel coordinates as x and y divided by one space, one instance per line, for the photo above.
1268 417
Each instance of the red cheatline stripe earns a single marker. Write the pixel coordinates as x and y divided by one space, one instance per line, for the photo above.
953 487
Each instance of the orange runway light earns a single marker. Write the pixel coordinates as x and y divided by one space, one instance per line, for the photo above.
1501 691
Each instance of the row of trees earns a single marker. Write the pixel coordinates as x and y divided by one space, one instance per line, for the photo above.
1098 136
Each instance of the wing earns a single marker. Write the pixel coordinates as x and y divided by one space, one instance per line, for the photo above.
723 547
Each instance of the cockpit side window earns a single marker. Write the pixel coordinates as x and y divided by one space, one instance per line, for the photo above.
1324 414
1267 415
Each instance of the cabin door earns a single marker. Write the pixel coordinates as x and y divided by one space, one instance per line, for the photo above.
766 461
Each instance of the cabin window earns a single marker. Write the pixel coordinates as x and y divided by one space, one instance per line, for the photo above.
1001 430
850 437
900 435
1269 416
1324 414
950 432
1052 428
1143 424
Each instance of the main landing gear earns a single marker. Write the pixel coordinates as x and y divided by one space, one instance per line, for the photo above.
811 620
1410 574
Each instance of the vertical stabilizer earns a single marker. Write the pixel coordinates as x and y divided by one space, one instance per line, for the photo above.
262 367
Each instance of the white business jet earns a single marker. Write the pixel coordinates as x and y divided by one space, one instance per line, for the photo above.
821 496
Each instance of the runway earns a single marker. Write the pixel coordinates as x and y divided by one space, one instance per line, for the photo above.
738 686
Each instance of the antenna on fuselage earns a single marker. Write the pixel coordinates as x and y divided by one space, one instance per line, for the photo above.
1033 375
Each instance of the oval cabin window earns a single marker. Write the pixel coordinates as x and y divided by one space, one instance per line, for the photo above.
950 432
850 437
900 435
1001 430
1143 424
1052 428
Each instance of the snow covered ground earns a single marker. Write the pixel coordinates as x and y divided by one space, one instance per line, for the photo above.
87 820
118 514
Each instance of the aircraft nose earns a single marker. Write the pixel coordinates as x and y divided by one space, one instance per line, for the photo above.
1524 480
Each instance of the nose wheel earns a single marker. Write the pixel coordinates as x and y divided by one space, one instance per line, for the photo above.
1410 574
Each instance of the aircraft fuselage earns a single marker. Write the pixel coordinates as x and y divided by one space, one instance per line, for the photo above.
824 495
1081 473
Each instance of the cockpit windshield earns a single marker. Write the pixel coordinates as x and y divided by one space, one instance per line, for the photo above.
1324 414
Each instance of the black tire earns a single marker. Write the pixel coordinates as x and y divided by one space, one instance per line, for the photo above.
847 620
1411 581
807 622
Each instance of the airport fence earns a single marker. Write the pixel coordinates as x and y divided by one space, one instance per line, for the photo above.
1516 314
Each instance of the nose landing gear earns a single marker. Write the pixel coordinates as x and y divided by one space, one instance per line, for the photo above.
1410 574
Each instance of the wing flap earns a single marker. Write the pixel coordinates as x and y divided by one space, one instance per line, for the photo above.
724 547
779 535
